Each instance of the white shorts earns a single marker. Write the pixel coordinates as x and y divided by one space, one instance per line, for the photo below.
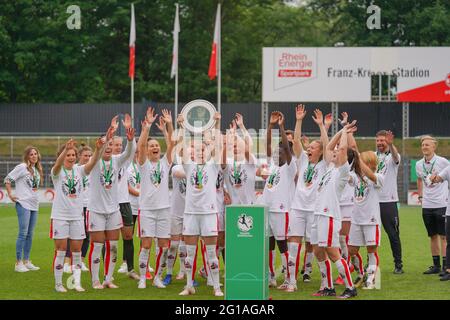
205 225
134 209
300 223
67 229
364 235
221 217
278 225
154 223
103 221
346 213
176 225
325 231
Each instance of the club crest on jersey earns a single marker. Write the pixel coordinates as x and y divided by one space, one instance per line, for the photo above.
198 179
273 179
85 183
70 186
219 181
237 176
156 176
106 179
32 182
120 174
245 223
182 186
361 191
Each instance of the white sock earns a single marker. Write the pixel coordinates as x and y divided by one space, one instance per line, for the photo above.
284 262
323 274
172 256
143 261
372 267
344 248
308 262
190 264
344 272
58 266
110 259
94 260
293 249
76 267
213 265
182 254
161 255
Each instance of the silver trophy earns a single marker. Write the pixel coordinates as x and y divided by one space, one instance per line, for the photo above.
198 116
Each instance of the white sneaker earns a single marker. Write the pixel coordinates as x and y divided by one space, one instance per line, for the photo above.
31 266
109 285
370 283
284 285
187 291
60 288
79 288
209 283
20 267
291 288
157 282
272 283
67 268
180 276
84 268
97 285
123 268
142 284
133 275
218 293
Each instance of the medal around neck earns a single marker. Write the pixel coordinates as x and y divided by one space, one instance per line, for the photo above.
198 116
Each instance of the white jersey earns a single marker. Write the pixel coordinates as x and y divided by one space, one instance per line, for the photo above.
279 186
434 195
366 210
445 175
26 186
122 178
240 181
347 196
178 192
85 190
219 191
331 186
201 197
154 193
103 189
68 202
309 175
134 180
388 168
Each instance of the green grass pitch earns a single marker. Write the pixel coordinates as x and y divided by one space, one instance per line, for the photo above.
40 284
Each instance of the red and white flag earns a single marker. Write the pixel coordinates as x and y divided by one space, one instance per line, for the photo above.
176 31
132 43
213 62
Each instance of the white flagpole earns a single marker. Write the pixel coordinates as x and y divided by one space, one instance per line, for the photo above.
176 30
219 62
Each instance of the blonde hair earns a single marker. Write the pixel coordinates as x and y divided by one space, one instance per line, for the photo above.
38 165
370 159
428 138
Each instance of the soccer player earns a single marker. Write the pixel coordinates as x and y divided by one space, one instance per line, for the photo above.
388 163
310 166
154 214
27 178
327 215
201 211
104 218
433 198
365 223
278 189
126 213
442 176
67 222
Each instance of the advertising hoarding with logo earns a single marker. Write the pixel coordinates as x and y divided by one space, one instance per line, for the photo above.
345 74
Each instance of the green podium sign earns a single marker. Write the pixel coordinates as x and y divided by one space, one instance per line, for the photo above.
246 252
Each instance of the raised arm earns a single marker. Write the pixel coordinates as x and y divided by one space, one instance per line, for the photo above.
300 113
284 139
56 169
318 119
150 117
167 122
274 116
100 146
130 149
392 148
343 145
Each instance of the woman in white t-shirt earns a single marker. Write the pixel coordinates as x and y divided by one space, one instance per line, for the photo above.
327 215
278 189
104 218
366 221
27 178
310 166
67 222
201 208
154 204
